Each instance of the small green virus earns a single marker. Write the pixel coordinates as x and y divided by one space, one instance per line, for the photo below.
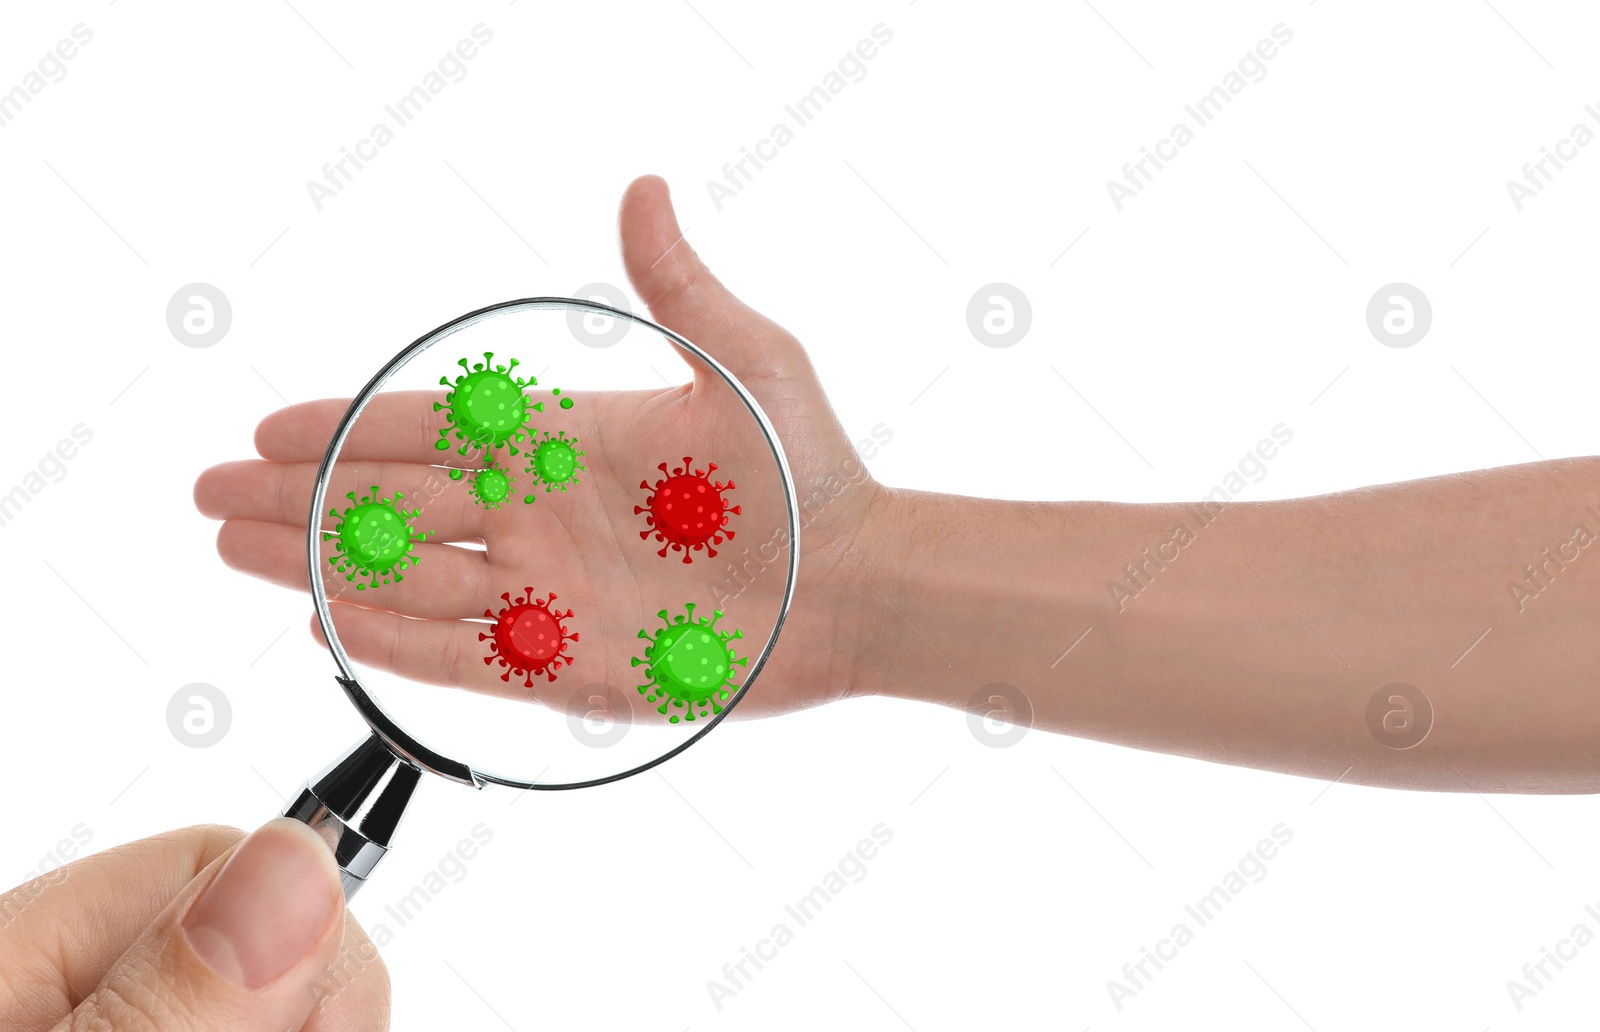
487 407
555 463
566 403
690 665
490 487
373 539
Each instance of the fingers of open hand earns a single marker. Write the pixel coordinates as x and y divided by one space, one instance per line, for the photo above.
450 653
280 492
441 581
400 426
397 426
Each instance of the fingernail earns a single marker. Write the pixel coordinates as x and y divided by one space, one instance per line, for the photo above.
267 907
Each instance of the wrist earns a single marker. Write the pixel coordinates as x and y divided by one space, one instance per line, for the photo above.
952 595
900 597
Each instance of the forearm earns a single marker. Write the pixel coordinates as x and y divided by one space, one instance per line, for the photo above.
1257 633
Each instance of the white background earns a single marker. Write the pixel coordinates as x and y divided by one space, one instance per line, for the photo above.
1224 299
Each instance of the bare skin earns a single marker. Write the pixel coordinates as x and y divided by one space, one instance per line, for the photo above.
1259 642
1263 641
101 944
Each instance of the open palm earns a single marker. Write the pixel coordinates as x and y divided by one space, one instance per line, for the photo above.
584 544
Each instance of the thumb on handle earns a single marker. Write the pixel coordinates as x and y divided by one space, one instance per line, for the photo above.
242 947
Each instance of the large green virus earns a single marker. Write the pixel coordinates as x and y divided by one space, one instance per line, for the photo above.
555 463
373 538
689 664
487 407
490 487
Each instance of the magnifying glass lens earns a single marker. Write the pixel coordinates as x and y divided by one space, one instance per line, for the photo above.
554 544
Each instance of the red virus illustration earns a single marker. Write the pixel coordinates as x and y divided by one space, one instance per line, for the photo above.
687 511
529 637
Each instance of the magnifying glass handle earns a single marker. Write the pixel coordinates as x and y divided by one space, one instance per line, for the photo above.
356 805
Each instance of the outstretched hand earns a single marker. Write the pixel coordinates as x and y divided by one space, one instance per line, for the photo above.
426 627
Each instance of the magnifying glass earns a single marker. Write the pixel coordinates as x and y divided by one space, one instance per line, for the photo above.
541 560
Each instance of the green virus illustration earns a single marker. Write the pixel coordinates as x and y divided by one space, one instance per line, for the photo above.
490 487
555 463
689 664
486 407
373 538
